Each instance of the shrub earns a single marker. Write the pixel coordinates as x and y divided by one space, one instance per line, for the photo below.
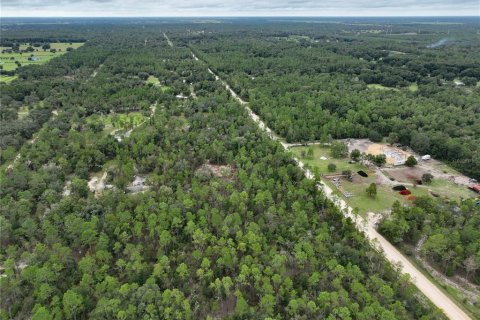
411 161
380 159
355 155
427 178
332 167
339 150
372 190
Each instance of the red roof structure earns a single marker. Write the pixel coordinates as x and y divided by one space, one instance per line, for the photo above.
475 187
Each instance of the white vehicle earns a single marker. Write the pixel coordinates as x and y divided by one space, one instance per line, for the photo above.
426 157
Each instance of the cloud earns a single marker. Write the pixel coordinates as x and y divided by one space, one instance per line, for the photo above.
237 7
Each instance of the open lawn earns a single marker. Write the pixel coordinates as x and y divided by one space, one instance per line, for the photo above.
7 79
380 87
153 80
382 202
165 88
156 82
442 187
53 45
448 189
322 165
8 60
413 87
298 38
63 46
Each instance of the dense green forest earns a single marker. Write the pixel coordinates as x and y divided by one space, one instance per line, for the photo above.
414 84
451 233
227 226
378 82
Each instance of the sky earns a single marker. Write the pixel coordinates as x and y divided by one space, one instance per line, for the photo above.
184 8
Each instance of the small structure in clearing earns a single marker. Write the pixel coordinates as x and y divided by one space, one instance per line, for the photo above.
395 156
181 96
475 187
119 135
138 185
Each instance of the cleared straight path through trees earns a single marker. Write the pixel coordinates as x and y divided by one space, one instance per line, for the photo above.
168 40
428 288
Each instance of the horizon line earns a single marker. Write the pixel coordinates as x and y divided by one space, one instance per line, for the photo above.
257 16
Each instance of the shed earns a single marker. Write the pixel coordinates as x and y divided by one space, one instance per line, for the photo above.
475 187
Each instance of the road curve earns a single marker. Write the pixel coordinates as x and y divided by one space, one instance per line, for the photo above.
428 288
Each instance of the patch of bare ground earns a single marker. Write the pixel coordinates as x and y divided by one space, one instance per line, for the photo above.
97 184
67 189
208 170
438 169
406 174
227 305
139 184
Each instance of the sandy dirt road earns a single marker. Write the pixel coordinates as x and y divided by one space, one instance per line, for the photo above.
429 289
168 40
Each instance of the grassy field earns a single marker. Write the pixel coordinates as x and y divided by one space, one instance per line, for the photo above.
413 87
298 38
118 121
156 82
447 189
382 202
63 46
380 87
385 195
153 80
7 79
53 45
8 60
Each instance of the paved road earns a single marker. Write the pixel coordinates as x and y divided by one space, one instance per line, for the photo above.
367 226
